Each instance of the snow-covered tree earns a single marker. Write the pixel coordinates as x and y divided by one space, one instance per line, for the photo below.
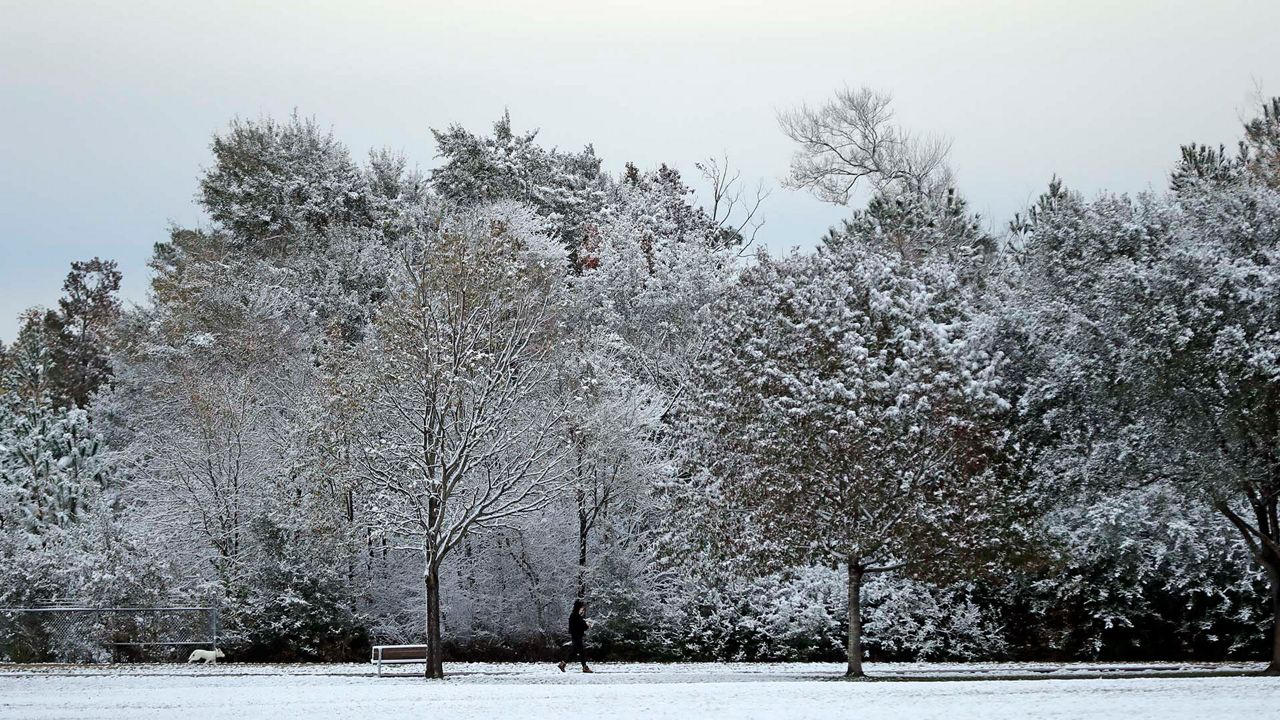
460 417
1261 145
641 309
920 226
52 468
52 464
1203 350
845 415
567 189
1151 327
235 459
653 269
63 533
203 399
1135 570
1257 158
29 374
273 183
60 356
88 309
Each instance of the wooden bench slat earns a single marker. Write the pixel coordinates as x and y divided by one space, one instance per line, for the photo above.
412 652
397 654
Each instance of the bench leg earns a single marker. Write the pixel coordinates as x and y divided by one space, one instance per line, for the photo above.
379 664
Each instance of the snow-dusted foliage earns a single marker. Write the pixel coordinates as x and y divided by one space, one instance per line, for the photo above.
204 397
1147 333
844 415
52 468
802 614
274 182
567 189
64 527
372 405
1142 572
221 409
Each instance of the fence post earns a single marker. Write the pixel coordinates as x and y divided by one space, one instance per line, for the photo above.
213 623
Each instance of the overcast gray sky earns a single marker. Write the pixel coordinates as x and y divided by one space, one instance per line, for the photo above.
106 108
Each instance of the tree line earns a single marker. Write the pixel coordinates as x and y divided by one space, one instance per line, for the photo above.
369 404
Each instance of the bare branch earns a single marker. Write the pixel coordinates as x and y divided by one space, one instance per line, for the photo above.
852 141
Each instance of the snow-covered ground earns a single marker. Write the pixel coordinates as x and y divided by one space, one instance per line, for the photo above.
648 691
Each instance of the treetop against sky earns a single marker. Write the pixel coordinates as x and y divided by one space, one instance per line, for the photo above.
112 105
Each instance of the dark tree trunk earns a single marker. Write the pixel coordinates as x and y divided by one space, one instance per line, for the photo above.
855 622
1273 572
435 649
584 528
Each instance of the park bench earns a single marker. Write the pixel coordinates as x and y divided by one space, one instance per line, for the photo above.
398 655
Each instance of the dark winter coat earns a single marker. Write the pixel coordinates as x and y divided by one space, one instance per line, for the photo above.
577 626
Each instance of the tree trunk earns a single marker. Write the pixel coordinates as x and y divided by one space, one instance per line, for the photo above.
1274 667
435 649
855 622
584 528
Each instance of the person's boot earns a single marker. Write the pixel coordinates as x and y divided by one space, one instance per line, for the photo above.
586 669
561 665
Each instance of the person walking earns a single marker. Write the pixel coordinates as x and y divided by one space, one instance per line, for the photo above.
578 625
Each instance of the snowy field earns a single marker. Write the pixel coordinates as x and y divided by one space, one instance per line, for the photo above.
648 691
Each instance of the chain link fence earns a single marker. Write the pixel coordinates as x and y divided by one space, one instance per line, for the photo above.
70 632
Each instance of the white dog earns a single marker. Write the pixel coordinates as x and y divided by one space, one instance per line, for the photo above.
206 656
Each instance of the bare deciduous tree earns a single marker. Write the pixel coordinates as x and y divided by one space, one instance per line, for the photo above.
732 209
853 139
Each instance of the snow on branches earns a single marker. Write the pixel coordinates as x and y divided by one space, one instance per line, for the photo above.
845 413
